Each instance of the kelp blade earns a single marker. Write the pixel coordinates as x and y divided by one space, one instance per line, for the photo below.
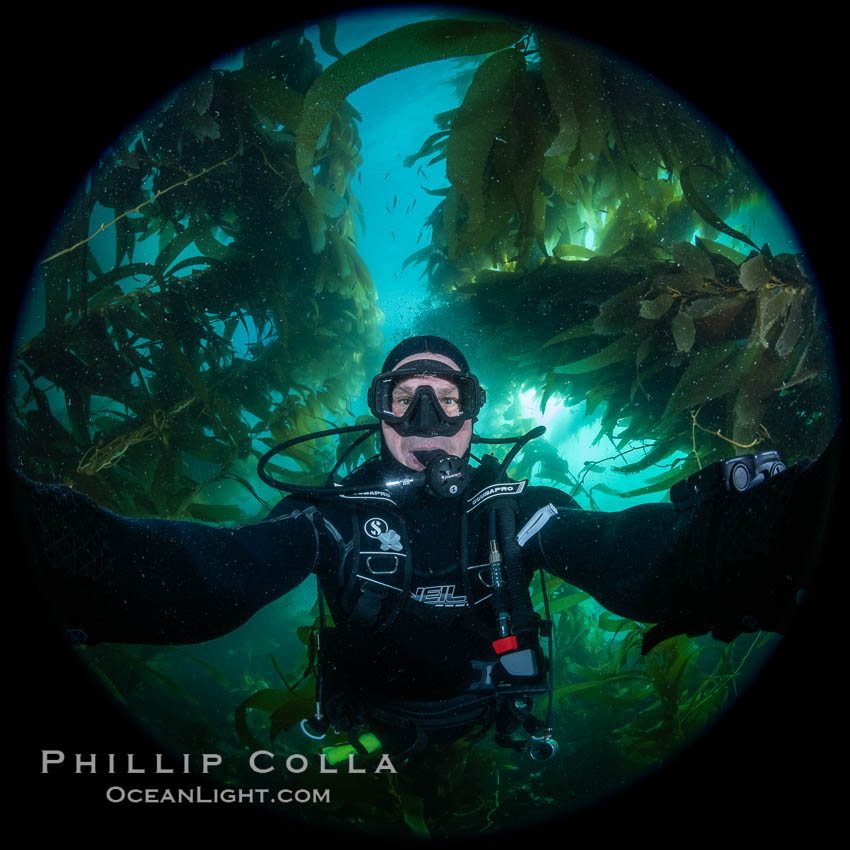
415 44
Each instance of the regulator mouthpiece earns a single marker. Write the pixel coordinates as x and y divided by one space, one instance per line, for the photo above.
445 474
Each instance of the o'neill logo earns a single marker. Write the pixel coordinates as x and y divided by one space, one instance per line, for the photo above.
441 595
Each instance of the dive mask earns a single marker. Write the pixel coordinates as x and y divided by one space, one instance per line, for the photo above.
425 412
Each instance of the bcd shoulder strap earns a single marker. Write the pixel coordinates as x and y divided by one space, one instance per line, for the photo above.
379 569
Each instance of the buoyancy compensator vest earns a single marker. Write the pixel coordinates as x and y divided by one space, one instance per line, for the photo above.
378 586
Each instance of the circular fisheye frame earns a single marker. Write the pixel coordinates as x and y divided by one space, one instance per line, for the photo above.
229 275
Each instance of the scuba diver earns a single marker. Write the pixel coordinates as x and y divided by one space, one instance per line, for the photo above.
424 561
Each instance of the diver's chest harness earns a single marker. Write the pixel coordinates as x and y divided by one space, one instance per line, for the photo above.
386 574
378 584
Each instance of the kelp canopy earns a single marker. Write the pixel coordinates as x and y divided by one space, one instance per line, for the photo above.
566 232
252 314
582 226
233 306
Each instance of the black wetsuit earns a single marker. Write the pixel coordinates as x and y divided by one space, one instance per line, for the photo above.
728 565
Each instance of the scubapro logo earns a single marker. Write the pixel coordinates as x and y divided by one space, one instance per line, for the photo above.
375 527
378 529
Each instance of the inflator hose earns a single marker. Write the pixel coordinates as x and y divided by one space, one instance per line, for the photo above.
523 618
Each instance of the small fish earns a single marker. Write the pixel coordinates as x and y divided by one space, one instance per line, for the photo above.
418 237
385 176
393 235
360 177
395 200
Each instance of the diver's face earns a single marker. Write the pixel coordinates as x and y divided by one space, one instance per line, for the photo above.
402 448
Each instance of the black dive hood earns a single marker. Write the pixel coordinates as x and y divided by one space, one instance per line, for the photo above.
444 476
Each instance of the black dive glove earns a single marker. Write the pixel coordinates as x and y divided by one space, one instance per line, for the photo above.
62 530
753 553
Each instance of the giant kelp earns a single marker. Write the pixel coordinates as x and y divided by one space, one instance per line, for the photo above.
699 355
218 304
415 44
567 231
553 139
